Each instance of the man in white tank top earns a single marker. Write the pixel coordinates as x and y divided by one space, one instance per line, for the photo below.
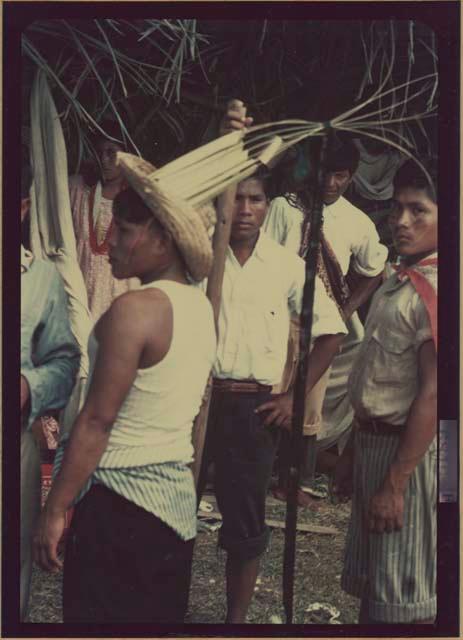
126 464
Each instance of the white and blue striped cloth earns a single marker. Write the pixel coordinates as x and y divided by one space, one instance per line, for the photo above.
395 572
166 490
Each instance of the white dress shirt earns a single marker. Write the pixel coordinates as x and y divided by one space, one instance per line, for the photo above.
257 299
349 231
351 234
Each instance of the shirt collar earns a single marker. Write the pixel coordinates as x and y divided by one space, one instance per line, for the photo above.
26 259
424 261
393 283
334 209
262 249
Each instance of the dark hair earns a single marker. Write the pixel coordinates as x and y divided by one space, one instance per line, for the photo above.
91 170
264 176
129 206
411 175
342 155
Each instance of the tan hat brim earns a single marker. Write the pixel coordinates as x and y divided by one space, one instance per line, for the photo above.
186 225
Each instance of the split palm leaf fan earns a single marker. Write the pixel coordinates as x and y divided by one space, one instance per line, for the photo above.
201 174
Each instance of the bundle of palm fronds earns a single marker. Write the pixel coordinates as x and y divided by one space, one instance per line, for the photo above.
207 171
101 68
202 174
163 81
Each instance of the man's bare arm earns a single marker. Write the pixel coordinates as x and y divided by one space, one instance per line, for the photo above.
386 507
421 427
122 333
362 290
280 407
320 358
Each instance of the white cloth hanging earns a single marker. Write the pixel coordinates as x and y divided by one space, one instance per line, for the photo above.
375 173
52 232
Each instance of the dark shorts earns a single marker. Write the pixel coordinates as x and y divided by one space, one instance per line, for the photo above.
123 565
243 451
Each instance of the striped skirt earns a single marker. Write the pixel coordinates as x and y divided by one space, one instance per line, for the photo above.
395 572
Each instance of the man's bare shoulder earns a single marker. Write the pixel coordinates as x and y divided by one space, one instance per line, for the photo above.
136 313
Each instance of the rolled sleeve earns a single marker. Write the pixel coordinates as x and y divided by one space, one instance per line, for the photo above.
296 289
326 317
51 385
283 224
369 255
56 356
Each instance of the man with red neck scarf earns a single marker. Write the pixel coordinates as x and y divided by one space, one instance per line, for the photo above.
390 463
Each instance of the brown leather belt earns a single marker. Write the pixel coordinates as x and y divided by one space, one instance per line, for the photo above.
378 427
228 385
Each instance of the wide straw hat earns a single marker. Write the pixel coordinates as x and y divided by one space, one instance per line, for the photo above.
189 226
179 193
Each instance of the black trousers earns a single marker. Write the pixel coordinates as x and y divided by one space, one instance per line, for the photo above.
243 451
123 565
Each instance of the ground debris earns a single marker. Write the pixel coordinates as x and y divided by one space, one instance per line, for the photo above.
215 516
318 566
275 620
322 613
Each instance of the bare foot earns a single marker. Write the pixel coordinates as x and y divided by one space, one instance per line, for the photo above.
303 499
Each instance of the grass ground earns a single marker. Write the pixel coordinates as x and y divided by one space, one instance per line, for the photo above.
317 575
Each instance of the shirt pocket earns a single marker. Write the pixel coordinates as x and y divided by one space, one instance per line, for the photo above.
275 328
394 363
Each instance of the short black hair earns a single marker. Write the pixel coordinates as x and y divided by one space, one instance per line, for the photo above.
411 175
264 176
129 206
342 155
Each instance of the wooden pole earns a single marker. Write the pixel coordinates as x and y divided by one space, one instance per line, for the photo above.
296 437
220 242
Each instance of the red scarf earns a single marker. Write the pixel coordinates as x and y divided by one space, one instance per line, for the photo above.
423 276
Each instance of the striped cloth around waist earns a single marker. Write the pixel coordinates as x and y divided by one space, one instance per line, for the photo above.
166 490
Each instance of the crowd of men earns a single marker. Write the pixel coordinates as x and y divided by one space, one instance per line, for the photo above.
370 391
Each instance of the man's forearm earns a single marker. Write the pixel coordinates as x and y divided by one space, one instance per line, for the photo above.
363 289
86 446
420 431
321 357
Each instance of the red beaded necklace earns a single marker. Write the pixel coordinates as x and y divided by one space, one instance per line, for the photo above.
96 247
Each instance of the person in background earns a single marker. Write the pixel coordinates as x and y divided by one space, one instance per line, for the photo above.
389 465
92 197
50 360
351 265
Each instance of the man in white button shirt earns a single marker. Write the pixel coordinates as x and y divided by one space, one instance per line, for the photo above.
263 282
350 243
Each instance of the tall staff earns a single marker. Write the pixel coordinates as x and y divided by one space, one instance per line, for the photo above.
293 468
220 242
